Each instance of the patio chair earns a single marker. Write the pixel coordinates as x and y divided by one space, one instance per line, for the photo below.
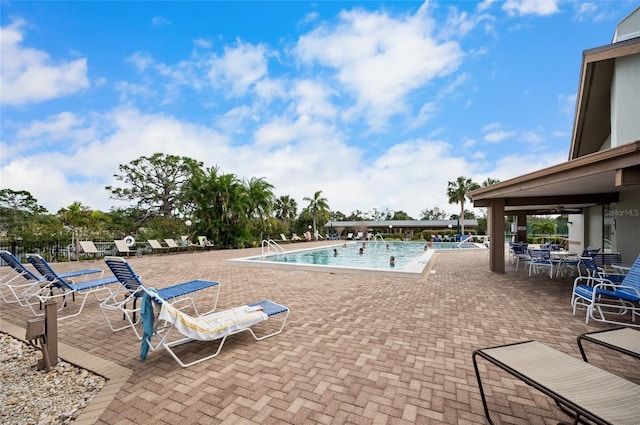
131 289
122 247
172 245
578 388
592 269
60 286
88 247
209 327
517 252
204 243
521 255
349 235
540 259
156 247
17 279
604 297
607 259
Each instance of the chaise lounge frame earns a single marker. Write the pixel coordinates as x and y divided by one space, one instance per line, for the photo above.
576 386
132 288
59 286
163 329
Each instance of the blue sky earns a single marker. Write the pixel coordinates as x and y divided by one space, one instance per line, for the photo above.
377 104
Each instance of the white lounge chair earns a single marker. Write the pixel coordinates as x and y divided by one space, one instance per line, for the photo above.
131 289
210 327
61 286
122 247
156 247
88 247
16 280
172 245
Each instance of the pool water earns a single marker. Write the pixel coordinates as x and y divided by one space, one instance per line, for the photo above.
410 257
374 255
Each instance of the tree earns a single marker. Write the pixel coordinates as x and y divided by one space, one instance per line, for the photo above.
489 181
75 215
400 215
17 209
286 209
316 205
21 200
458 192
261 200
337 216
155 182
543 227
356 215
434 213
218 206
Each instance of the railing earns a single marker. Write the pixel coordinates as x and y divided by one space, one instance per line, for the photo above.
63 250
50 250
375 238
468 239
269 244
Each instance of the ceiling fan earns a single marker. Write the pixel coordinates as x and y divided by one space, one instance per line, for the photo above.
560 209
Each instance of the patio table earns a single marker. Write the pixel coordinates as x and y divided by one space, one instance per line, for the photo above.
564 260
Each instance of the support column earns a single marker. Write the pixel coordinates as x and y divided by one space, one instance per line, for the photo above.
521 229
496 226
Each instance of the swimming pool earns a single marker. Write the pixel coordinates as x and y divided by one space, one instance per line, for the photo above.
410 258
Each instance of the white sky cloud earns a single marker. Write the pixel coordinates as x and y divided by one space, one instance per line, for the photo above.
365 49
30 75
531 7
240 67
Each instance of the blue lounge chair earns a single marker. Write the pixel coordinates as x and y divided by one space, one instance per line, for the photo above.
209 327
60 286
603 297
131 289
17 279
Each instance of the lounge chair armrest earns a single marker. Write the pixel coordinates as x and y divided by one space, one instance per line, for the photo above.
614 278
611 286
589 280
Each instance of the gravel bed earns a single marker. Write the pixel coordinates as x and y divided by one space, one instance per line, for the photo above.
31 396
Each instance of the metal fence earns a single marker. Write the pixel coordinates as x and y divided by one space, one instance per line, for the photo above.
64 250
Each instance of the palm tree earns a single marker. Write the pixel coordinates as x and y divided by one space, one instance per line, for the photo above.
261 198
489 181
286 209
458 192
316 205
75 216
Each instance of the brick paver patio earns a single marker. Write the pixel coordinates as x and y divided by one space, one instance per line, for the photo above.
356 349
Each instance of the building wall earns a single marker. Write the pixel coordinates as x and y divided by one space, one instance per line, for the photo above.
625 101
576 232
593 226
625 235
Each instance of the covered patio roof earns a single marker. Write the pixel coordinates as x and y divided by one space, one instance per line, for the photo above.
590 180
